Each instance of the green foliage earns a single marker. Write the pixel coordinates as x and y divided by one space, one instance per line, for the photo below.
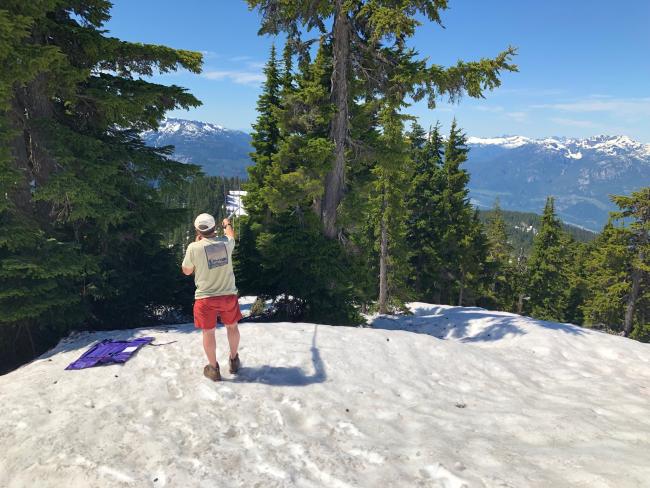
448 248
617 259
521 228
368 42
265 135
283 254
81 213
548 280
425 212
499 263
461 239
297 261
295 177
379 30
607 268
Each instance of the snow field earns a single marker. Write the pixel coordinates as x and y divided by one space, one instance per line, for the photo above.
448 397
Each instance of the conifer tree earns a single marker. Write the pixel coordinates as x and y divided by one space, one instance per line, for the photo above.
295 259
367 39
617 269
499 261
607 269
81 211
266 133
456 214
392 176
425 218
266 139
472 262
500 248
577 254
637 208
548 279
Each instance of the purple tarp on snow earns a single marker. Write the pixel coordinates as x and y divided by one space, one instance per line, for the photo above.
108 351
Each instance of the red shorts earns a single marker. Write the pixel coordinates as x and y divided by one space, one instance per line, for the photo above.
206 311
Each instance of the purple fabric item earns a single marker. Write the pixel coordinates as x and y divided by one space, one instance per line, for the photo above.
108 351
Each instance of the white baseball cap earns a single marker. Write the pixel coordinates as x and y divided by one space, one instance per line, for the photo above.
204 222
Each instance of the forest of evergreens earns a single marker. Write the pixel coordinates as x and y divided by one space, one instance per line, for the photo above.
353 207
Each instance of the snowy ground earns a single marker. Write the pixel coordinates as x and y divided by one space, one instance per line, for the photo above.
448 397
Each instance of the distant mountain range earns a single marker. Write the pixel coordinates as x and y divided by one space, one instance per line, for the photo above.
579 173
220 151
522 172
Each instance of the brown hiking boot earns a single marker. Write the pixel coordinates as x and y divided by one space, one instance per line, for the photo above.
211 372
235 364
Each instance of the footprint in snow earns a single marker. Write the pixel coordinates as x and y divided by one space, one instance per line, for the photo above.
174 390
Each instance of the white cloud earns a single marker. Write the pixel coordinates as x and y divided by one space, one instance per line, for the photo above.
239 77
256 64
573 122
517 116
542 92
615 106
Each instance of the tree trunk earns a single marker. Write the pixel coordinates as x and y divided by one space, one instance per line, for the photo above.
383 257
30 103
632 297
462 288
335 179
520 304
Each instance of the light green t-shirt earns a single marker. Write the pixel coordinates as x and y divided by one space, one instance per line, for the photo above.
212 262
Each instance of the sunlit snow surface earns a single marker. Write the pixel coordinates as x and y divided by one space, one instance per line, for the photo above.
447 397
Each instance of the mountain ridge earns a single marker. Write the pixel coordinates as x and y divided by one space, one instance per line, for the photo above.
521 171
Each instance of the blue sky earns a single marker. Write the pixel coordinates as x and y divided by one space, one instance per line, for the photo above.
584 64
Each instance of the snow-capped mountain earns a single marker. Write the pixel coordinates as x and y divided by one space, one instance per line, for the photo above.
579 173
522 172
220 151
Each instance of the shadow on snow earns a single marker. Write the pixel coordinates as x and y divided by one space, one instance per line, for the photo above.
286 375
456 323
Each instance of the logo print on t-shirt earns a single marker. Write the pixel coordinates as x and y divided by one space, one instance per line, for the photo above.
216 254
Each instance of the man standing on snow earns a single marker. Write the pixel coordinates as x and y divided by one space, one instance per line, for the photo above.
210 259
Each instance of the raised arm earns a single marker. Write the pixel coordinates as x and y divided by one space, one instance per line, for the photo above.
227 229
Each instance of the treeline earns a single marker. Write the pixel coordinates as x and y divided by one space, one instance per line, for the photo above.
405 226
82 219
523 226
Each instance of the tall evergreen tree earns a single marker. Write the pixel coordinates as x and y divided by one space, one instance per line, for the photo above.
367 39
548 279
472 262
637 208
607 269
618 269
265 137
499 261
81 211
456 213
392 176
577 254
295 259
425 217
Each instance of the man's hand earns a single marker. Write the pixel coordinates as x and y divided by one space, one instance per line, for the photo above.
227 228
